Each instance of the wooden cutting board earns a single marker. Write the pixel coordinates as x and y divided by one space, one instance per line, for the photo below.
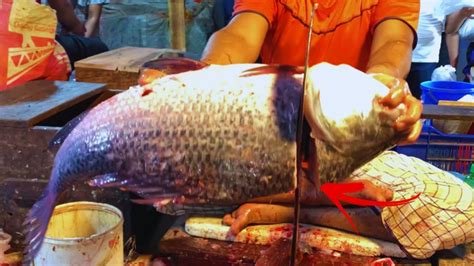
464 112
118 68
314 236
32 102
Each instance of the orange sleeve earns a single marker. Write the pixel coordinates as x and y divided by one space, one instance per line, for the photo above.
407 11
266 8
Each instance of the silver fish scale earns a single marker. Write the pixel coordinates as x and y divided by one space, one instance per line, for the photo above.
221 146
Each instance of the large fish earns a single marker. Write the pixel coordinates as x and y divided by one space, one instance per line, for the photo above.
218 136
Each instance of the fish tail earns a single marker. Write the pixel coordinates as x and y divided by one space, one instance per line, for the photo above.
36 223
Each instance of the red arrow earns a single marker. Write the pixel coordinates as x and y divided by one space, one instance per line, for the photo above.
336 193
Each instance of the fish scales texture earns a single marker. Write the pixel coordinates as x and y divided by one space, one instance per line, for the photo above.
219 142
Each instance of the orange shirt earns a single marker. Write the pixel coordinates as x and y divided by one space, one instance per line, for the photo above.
343 28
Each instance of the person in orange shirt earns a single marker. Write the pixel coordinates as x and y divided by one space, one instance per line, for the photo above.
372 35
375 36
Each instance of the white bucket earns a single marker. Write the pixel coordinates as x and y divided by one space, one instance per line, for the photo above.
83 233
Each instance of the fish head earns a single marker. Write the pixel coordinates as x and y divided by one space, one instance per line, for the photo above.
335 94
348 122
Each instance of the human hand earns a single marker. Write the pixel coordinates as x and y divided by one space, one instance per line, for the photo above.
369 191
408 124
467 12
257 213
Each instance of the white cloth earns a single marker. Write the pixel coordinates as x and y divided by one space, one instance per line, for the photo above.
429 32
467 30
444 73
450 6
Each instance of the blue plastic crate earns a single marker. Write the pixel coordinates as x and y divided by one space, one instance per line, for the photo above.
451 152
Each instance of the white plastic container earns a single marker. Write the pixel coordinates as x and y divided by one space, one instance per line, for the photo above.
83 233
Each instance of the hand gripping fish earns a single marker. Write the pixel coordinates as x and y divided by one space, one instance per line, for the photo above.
218 136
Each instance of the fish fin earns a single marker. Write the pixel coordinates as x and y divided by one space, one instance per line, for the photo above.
116 180
171 208
208 209
150 201
178 206
174 65
272 69
146 192
163 205
36 224
106 180
62 134
157 194
147 199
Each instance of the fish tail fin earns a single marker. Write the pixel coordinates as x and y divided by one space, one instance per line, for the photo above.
36 223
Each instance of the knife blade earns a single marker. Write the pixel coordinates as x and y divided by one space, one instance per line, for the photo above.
299 136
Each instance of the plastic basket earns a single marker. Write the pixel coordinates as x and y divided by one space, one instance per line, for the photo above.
433 91
450 152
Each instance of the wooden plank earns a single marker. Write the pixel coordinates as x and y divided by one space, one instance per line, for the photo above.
456 103
200 251
179 248
464 113
119 68
114 79
333 239
177 26
125 59
24 152
28 104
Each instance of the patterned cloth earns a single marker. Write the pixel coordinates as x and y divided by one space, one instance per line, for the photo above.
82 3
441 218
59 66
85 3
